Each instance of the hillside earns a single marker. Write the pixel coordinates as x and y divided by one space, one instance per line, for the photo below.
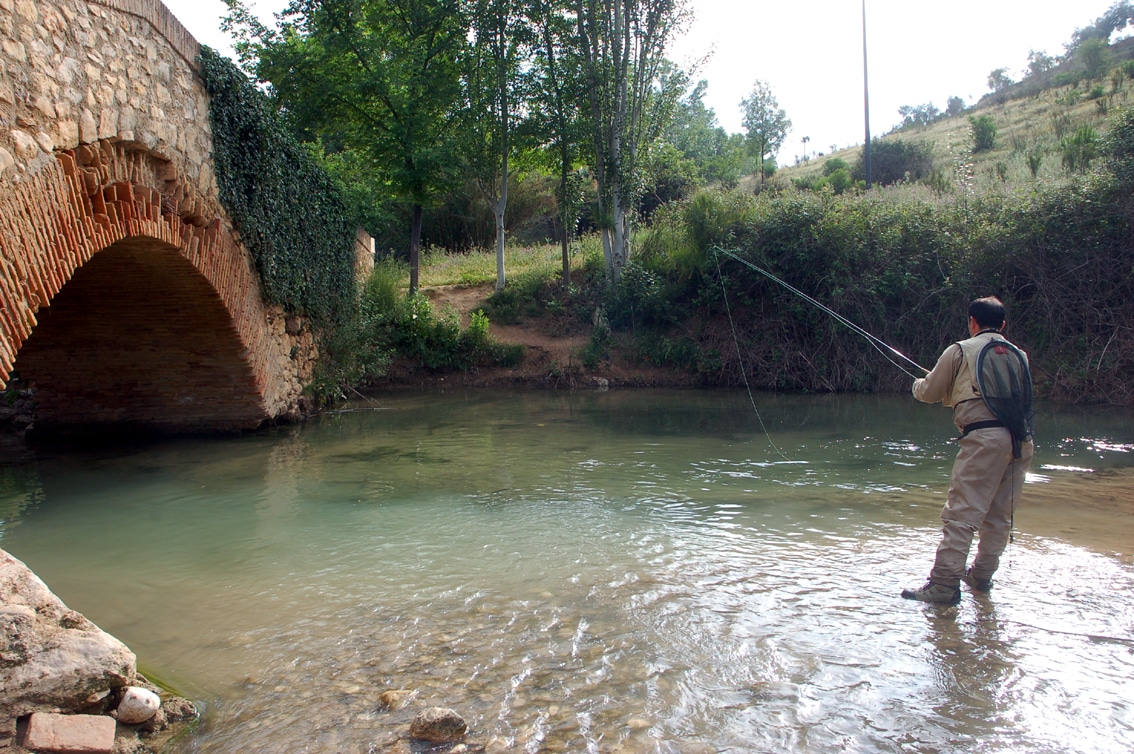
1031 122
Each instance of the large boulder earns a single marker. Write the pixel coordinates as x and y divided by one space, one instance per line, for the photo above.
52 659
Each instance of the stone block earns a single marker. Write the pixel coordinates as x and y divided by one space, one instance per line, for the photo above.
72 734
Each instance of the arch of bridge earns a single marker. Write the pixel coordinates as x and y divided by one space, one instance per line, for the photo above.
126 297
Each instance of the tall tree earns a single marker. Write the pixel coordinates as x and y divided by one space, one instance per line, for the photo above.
380 76
695 130
999 80
494 91
765 123
630 92
555 104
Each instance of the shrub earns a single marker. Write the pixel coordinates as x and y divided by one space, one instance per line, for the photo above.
1120 146
840 180
984 132
1080 149
835 164
894 160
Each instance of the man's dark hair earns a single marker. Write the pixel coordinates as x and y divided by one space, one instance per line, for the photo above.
988 312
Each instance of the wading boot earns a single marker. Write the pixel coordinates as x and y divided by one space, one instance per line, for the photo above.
977 585
934 593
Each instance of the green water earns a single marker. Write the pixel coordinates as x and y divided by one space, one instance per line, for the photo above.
640 571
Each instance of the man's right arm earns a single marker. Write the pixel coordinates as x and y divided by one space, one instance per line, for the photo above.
938 384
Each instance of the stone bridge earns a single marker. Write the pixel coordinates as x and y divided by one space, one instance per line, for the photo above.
126 297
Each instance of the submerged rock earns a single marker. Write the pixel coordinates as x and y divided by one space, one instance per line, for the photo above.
438 725
52 659
395 699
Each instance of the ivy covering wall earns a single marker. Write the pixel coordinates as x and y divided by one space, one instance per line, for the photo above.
286 208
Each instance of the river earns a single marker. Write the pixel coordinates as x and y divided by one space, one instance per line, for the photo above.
624 571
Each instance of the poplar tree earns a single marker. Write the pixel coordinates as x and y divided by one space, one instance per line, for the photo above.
494 87
557 91
630 92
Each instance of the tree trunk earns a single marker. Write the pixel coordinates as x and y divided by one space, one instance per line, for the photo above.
618 237
499 207
563 240
498 211
415 249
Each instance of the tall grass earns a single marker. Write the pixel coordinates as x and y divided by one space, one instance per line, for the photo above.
439 267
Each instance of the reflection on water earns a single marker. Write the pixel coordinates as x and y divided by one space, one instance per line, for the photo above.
589 572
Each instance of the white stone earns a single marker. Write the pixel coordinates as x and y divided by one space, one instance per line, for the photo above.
26 148
138 705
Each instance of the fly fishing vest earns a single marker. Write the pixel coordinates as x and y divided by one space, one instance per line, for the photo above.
995 371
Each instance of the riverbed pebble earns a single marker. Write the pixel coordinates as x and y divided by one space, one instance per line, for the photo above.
395 699
438 725
138 705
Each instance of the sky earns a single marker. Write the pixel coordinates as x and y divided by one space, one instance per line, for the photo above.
810 54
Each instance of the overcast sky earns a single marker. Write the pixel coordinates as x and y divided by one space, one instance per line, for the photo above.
810 53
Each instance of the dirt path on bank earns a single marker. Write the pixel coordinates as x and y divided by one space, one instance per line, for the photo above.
553 351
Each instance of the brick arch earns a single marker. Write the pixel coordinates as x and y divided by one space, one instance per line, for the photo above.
138 338
161 323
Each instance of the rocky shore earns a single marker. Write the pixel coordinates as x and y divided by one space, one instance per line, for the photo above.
68 686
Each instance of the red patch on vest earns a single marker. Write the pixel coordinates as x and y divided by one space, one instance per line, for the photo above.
1000 350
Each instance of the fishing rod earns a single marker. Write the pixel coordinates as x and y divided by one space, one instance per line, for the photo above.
880 345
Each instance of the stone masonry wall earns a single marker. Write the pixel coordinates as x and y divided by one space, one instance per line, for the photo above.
104 136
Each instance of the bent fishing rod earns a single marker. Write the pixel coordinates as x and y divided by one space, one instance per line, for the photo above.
880 345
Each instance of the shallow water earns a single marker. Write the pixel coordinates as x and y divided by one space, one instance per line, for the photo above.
589 572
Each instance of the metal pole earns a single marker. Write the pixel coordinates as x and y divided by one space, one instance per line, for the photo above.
865 100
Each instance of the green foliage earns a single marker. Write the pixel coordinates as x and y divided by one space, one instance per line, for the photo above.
999 80
303 253
919 115
669 176
598 348
389 326
1094 55
984 132
834 165
524 296
713 217
1119 146
1039 62
765 123
895 160
1079 149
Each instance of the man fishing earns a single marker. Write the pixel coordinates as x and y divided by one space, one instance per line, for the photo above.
985 379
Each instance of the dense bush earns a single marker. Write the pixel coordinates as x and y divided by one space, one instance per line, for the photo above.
390 326
894 160
1062 259
984 132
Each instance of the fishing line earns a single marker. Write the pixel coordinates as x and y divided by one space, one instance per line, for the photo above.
879 345
740 360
